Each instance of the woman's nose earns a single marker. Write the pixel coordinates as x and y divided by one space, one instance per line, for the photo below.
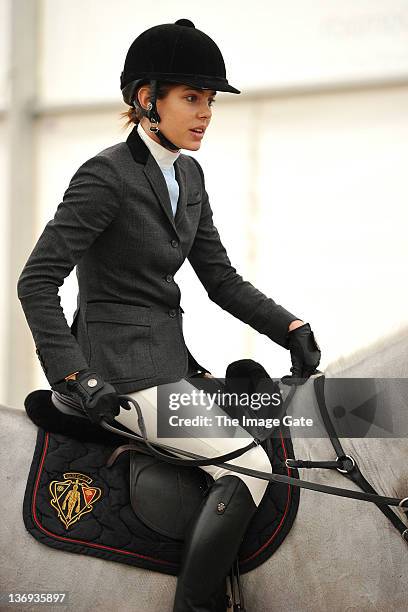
205 111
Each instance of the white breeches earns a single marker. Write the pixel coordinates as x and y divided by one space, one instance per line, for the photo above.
256 458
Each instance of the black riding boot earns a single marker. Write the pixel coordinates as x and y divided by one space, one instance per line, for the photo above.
212 545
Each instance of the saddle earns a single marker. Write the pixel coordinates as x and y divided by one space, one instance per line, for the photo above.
182 488
138 510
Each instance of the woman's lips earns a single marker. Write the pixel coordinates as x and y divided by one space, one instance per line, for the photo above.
197 135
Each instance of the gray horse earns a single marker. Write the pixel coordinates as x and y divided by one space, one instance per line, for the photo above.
341 554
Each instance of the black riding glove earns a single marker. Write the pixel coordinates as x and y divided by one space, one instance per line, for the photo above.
304 351
98 398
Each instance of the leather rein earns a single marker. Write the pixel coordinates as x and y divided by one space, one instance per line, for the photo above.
345 464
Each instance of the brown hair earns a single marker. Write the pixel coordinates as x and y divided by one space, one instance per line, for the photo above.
133 115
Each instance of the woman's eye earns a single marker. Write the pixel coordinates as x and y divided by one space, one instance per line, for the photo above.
193 98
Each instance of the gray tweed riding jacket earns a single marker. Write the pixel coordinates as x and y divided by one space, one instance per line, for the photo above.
116 225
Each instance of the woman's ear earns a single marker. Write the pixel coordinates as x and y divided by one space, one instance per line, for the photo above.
143 96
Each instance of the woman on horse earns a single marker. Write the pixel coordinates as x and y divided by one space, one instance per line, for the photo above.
130 217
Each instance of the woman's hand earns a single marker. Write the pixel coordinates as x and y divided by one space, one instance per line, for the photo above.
304 350
98 398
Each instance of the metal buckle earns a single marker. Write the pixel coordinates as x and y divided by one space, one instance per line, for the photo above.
154 126
291 467
404 508
405 535
342 458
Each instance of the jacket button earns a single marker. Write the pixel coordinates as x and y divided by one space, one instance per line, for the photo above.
169 278
174 243
172 313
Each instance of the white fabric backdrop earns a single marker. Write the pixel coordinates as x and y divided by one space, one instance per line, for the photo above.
266 43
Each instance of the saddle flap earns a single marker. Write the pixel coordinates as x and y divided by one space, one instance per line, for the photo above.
166 497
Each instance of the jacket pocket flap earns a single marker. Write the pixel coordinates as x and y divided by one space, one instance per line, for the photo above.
194 198
114 312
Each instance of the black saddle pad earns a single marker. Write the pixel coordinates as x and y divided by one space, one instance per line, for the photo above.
74 502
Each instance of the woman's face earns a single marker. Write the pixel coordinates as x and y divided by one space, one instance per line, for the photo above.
183 110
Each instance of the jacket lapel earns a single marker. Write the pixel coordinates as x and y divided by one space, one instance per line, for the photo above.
182 182
138 149
159 186
141 154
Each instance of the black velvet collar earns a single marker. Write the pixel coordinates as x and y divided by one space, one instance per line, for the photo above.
138 149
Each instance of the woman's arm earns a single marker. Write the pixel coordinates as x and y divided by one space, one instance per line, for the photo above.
89 205
226 288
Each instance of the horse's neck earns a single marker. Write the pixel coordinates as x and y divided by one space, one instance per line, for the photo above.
381 460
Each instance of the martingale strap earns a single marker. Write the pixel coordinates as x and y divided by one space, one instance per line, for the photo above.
349 467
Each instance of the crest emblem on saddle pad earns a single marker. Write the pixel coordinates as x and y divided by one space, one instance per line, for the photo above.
73 497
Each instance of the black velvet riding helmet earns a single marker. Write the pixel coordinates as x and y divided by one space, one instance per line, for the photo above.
177 53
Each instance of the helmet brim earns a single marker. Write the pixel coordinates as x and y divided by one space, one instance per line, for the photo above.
194 81
202 82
